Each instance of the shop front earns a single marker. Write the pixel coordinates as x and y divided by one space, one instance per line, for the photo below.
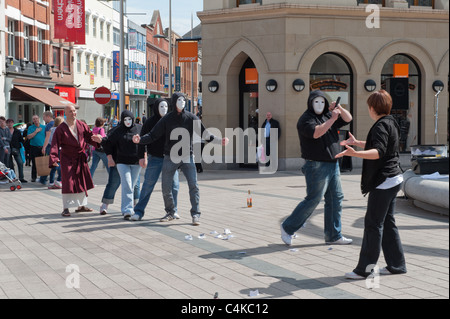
27 98
295 49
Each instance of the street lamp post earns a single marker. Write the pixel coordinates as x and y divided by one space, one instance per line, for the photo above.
192 68
170 49
122 61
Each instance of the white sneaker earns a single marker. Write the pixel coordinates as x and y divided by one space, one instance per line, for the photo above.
176 216
136 217
196 220
103 209
352 275
126 216
285 237
340 241
384 271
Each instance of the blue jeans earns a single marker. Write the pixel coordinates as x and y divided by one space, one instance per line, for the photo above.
113 184
54 169
190 172
129 175
52 174
152 173
10 173
322 179
96 157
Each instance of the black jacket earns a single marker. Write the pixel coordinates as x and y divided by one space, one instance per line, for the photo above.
326 147
273 124
156 148
172 121
120 140
384 137
16 139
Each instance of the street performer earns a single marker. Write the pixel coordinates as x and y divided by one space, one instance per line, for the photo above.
68 150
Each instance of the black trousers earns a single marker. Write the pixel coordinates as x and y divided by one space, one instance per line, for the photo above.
35 151
380 232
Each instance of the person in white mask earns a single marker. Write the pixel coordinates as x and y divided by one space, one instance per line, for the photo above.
178 121
151 157
319 141
119 143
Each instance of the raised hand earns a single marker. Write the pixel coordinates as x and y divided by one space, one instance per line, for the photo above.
350 141
349 151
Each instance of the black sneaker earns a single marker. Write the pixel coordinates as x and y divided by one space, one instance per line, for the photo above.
167 218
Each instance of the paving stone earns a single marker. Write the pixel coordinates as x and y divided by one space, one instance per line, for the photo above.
153 260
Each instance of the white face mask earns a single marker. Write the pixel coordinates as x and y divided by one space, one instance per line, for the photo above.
181 102
163 108
318 105
128 121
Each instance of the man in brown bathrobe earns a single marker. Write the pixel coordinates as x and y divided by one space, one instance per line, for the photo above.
69 144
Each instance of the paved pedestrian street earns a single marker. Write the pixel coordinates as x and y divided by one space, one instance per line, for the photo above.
236 252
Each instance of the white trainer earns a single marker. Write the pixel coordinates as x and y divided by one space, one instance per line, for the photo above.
136 217
352 275
384 271
340 241
285 237
196 220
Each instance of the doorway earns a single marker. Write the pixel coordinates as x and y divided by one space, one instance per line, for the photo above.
248 109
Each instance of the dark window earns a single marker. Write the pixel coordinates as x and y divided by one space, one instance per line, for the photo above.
238 2
56 58
66 60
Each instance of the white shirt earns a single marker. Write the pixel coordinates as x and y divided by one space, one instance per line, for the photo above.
391 182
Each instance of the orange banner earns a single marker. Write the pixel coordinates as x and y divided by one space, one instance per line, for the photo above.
187 51
401 70
251 76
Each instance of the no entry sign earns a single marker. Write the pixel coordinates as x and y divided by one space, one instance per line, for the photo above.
102 95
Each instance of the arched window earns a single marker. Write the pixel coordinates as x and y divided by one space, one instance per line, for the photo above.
332 74
407 111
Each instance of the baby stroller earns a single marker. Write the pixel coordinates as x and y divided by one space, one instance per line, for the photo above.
16 184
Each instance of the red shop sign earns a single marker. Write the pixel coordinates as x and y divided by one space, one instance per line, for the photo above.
68 93
69 19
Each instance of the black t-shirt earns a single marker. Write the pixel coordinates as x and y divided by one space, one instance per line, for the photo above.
324 148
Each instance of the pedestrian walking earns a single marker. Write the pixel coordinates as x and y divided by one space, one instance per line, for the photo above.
319 140
113 182
52 184
151 157
26 144
98 153
68 150
127 160
5 140
47 116
177 119
381 178
16 145
36 136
